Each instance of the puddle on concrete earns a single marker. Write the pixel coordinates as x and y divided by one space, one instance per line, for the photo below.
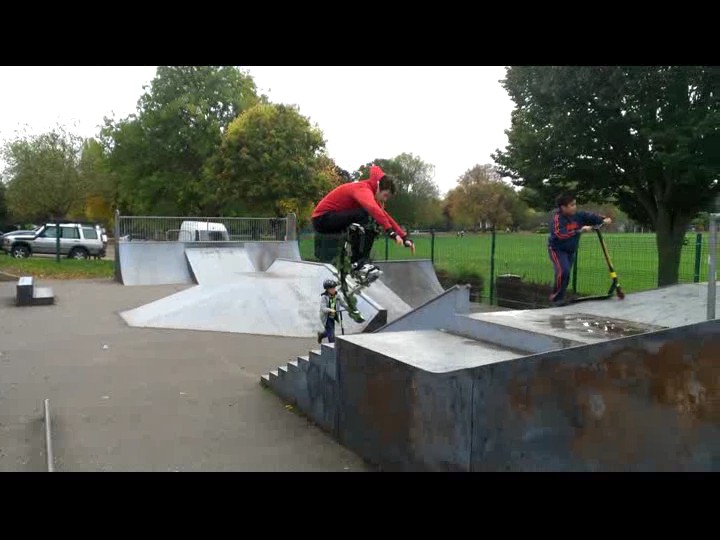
595 325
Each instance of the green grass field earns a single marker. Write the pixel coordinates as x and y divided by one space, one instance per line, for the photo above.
49 268
525 254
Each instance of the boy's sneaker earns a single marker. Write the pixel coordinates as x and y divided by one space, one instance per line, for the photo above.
320 337
366 274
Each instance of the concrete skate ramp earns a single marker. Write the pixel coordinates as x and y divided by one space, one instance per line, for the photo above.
218 264
414 281
165 263
263 254
284 301
673 305
315 273
539 330
433 314
153 263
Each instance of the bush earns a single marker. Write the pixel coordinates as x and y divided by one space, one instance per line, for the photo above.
463 274
512 292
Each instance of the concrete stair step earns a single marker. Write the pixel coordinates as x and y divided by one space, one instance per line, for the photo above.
304 383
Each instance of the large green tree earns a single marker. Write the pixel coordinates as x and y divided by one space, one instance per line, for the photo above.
160 154
43 175
272 159
482 198
416 200
644 138
101 183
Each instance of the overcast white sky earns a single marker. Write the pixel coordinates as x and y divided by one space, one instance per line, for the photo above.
451 117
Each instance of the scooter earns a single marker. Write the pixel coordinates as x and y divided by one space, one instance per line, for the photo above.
614 286
340 312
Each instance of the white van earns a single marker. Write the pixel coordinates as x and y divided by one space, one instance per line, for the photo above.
202 231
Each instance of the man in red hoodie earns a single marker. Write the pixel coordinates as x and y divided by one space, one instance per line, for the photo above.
350 207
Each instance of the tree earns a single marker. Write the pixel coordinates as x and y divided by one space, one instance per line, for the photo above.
481 198
537 200
519 210
271 155
644 138
44 181
343 175
160 154
101 184
417 194
329 176
430 214
3 206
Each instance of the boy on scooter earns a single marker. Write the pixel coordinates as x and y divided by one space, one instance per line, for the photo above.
566 225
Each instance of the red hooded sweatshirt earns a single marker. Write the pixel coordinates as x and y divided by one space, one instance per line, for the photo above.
359 194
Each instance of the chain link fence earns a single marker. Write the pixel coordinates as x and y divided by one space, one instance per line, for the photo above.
490 260
203 229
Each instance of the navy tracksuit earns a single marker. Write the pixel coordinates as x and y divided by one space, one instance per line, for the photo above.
562 246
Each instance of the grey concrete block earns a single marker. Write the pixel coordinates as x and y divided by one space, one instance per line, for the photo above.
43 296
642 403
403 418
24 291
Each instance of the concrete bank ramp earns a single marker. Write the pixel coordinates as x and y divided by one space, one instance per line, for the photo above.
283 301
413 280
313 274
218 265
153 263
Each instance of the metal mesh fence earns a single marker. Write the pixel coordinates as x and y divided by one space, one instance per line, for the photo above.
471 259
204 229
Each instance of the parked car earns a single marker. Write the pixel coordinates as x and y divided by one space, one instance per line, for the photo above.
20 231
202 231
78 240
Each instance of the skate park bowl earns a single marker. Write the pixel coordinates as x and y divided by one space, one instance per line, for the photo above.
259 288
610 385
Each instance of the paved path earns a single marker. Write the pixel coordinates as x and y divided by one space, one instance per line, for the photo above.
132 399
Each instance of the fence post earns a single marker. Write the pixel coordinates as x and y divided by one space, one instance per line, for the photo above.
698 257
492 267
57 239
575 271
118 277
291 227
432 246
387 247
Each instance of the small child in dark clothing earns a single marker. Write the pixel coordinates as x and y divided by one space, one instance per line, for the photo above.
329 312
566 225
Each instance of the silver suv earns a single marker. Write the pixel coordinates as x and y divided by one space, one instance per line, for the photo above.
77 240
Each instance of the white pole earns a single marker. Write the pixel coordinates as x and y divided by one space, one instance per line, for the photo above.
48 439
